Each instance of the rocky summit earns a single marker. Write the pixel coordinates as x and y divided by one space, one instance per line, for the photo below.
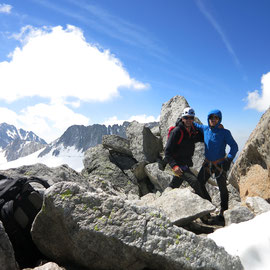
251 171
118 213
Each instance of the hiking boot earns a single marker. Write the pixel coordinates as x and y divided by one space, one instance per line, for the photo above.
205 219
217 220
220 218
213 220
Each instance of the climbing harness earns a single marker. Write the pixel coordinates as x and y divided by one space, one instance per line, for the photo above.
213 166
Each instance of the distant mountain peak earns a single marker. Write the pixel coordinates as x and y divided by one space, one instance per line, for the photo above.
9 133
83 137
18 143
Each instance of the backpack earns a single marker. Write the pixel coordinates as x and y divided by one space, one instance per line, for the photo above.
19 205
181 136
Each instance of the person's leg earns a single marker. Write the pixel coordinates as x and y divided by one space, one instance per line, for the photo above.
224 194
176 182
203 176
193 182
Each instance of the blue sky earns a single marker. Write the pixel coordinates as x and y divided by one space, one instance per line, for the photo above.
65 62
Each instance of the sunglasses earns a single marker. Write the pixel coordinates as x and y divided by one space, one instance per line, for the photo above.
212 117
188 117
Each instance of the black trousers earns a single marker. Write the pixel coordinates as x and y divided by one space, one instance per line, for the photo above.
190 178
204 175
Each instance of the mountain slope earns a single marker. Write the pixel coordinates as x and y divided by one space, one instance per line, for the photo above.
68 149
9 133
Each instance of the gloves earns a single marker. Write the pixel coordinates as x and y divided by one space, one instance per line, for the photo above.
177 170
227 164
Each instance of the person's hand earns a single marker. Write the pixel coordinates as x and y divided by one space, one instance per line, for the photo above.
177 170
227 164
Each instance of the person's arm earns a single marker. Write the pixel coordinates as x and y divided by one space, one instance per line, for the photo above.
170 149
199 136
233 150
233 145
171 146
198 126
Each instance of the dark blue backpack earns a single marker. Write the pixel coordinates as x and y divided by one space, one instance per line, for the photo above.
19 205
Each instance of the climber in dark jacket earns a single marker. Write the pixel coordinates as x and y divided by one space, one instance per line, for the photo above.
216 161
180 149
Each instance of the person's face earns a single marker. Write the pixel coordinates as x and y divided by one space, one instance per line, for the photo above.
188 120
213 120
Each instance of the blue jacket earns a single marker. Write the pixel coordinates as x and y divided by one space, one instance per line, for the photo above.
216 139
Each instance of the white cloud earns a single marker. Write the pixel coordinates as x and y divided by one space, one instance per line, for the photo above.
143 118
57 63
257 100
8 116
140 118
113 121
4 8
48 121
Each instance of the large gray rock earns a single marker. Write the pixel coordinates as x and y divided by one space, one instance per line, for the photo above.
170 111
105 232
182 206
139 171
257 205
156 131
159 178
111 167
52 175
237 214
7 259
198 157
116 143
146 199
143 144
255 151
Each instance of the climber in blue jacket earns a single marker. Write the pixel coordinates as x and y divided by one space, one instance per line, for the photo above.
216 161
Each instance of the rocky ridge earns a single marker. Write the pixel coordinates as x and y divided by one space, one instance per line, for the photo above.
19 143
118 213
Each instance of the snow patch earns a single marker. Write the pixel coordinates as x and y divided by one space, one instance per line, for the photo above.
2 157
11 134
70 156
250 240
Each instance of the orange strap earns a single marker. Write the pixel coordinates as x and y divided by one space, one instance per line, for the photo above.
215 162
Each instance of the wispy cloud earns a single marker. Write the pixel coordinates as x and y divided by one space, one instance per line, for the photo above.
5 8
219 30
102 20
118 27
